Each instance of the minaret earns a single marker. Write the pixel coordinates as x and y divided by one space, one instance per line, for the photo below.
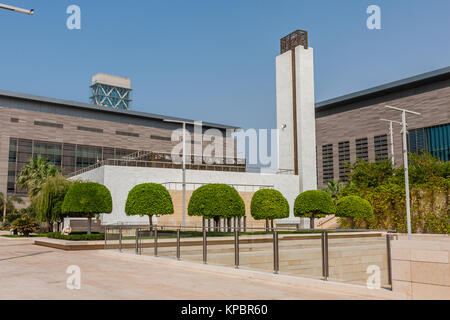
296 109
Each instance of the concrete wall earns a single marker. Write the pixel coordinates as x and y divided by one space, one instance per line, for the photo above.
421 267
120 180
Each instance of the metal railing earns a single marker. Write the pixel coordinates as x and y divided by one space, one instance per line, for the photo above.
166 237
195 185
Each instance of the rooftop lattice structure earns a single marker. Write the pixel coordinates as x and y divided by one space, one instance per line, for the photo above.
111 91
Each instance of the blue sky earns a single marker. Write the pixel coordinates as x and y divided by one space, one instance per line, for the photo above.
215 60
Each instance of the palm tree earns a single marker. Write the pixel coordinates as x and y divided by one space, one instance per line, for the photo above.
334 189
9 201
34 174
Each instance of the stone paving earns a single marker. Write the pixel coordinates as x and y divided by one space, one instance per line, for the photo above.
33 272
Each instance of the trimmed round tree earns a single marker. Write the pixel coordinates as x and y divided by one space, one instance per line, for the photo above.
215 201
314 204
88 199
269 204
149 199
354 207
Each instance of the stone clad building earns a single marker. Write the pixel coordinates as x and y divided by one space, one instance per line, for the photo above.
349 127
76 135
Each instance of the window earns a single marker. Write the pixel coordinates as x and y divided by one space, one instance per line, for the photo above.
344 158
87 156
14 120
435 140
161 138
48 124
327 163
96 130
362 149
129 134
48 151
381 147
69 158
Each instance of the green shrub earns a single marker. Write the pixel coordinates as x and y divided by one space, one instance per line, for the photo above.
314 204
269 204
216 201
25 226
354 207
88 199
76 236
149 199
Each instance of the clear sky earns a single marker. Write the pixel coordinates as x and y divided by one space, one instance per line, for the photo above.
215 60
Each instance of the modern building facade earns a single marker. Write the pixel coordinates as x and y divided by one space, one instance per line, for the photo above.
349 127
74 136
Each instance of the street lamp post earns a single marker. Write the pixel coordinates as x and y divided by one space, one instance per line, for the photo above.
16 9
391 132
183 167
405 163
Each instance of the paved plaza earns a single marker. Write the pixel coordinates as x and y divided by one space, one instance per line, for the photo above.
28 271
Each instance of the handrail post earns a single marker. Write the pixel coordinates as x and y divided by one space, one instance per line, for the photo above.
178 244
389 258
156 242
205 248
106 234
120 238
137 240
325 266
236 249
276 257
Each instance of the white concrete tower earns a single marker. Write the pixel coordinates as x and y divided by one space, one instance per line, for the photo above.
296 121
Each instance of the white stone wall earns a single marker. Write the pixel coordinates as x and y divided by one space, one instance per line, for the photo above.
306 125
306 118
285 111
120 180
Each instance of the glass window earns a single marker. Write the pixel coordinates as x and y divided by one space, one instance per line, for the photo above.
344 158
381 147
327 163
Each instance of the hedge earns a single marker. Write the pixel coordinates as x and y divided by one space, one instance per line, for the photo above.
149 199
76 237
216 201
269 204
354 207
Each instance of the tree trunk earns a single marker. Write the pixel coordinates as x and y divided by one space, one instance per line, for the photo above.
216 224
150 219
89 225
267 225
353 223
4 212
271 222
311 222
